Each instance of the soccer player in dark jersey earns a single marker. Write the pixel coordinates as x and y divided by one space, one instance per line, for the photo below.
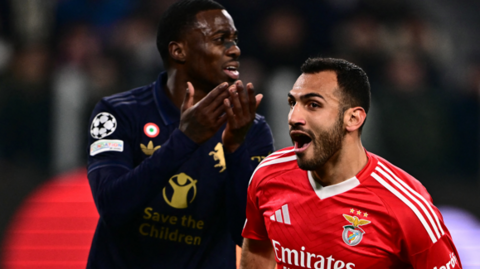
326 202
169 162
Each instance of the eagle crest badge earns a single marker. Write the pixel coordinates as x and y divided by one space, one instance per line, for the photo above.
353 234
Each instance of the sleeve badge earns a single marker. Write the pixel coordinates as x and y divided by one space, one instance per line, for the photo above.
103 124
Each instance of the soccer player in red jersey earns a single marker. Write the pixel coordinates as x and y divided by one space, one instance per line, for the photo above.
326 202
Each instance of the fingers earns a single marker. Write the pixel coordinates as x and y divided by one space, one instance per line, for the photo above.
252 99
258 99
229 111
214 98
237 98
188 100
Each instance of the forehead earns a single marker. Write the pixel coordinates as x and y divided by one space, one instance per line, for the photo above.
324 83
211 21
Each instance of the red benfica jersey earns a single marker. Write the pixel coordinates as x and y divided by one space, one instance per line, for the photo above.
381 218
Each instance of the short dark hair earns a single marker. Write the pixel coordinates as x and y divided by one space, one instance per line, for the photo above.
177 19
352 80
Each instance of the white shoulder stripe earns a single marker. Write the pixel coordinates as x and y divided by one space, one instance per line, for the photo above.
408 203
432 223
421 198
280 152
274 156
270 162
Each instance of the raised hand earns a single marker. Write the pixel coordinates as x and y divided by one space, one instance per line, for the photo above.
202 120
240 109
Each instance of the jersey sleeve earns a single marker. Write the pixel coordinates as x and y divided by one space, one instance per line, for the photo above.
120 188
442 254
240 166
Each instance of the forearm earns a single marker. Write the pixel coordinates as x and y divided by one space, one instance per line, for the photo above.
120 192
257 254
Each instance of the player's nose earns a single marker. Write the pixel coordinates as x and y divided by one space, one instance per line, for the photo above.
295 116
234 51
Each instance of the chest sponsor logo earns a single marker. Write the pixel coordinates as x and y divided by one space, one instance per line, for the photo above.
452 263
149 149
305 259
105 145
181 187
103 124
281 215
151 130
219 156
353 234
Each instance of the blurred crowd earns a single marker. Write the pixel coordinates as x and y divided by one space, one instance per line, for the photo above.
59 57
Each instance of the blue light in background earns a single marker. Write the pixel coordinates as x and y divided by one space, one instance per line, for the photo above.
463 227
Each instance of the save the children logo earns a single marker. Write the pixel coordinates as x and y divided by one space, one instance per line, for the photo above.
181 187
352 234
219 156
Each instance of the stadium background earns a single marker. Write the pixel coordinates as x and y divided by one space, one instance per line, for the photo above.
59 57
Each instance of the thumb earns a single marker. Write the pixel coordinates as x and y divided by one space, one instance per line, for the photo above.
188 100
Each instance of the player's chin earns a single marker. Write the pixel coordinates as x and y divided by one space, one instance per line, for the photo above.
306 165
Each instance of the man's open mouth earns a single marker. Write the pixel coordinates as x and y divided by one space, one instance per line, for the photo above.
301 141
232 72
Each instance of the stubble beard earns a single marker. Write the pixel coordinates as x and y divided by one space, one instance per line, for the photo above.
325 145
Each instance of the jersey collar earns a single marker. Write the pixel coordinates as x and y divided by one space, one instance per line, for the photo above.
169 113
332 190
344 186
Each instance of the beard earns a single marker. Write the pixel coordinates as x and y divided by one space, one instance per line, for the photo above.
325 145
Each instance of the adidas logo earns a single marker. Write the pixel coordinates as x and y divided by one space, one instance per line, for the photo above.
281 215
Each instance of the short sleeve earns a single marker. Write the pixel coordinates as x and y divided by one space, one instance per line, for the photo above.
441 255
254 224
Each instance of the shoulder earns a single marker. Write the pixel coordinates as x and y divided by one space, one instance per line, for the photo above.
128 99
118 110
124 105
278 162
394 178
409 205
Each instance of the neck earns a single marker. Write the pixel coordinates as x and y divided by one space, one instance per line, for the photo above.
344 164
177 84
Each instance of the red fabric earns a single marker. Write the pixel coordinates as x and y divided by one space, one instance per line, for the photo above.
54 227
386 221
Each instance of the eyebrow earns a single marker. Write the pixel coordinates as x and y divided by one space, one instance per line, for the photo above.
225 31
308 95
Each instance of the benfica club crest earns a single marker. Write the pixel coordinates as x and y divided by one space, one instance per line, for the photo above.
353 234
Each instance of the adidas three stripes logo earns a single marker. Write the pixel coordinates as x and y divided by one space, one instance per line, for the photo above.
281 215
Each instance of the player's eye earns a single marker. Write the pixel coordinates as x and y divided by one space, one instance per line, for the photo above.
220 39
291 102
314 105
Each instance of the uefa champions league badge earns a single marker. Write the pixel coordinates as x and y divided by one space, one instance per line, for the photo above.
352 234
103 124
151 130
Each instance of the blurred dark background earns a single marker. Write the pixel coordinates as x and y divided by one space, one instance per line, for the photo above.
59 57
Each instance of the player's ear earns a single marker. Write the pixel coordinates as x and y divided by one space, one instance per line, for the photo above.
354 118
177 51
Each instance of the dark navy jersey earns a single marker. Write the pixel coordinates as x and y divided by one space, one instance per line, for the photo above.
163 200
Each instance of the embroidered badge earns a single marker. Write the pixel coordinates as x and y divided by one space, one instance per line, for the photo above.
103 124
353 234
151 130
149 149
219 156
105 145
